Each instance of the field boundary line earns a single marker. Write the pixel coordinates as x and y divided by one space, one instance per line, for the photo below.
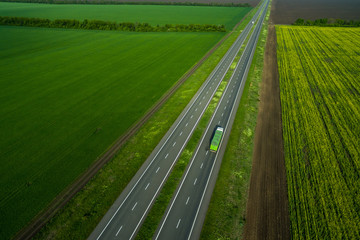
41 219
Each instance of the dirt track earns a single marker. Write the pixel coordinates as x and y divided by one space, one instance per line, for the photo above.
267 214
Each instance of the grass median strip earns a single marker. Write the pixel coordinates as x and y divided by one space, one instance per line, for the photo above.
226 214
85 210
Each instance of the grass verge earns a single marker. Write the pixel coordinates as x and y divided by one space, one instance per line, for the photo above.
225 218
81 215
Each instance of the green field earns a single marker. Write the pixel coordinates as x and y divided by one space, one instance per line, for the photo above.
319 71
152 14
66 95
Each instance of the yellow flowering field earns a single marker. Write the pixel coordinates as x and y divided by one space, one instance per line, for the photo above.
319 74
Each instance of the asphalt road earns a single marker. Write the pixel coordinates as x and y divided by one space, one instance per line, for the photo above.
186 212
124 218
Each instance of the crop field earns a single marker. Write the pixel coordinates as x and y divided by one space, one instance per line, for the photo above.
64 99
319 71
152 14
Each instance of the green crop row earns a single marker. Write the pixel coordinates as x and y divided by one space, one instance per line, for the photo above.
320 91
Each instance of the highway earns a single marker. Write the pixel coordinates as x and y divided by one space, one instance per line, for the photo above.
186 212
126 215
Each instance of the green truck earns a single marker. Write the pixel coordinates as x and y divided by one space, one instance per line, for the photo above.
215 141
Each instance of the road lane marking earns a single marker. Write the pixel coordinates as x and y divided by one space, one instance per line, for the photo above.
177 225
207 152
225 108
219 122
207 92
187 200
180 134
186 124
157 169
134 207
230 96
204 96
174 144
232 90
166 155
210 88
119 230
200 103
191 116
201 165
147 186
195 110
195 181
227 101
222 114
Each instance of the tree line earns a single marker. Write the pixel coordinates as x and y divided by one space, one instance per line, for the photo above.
114 2
325 22
108 25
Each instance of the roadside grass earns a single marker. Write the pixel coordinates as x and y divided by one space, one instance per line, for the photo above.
225 218
81 215
66 99
157 211
152 14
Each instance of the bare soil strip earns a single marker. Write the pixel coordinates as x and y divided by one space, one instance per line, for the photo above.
267 215
60 201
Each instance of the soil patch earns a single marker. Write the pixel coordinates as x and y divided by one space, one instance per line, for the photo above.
287 11
267 215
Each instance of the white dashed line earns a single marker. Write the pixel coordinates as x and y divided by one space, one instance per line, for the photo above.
207 152
157 169
192 116
195 110
195 181
180 134
201 165
200 103
207 92
166 155
174 143
178 223
134 207
187 200
186 124
147 186
222 114
225 108
230 96
203 97
232 90
119 230
219 123
227 101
